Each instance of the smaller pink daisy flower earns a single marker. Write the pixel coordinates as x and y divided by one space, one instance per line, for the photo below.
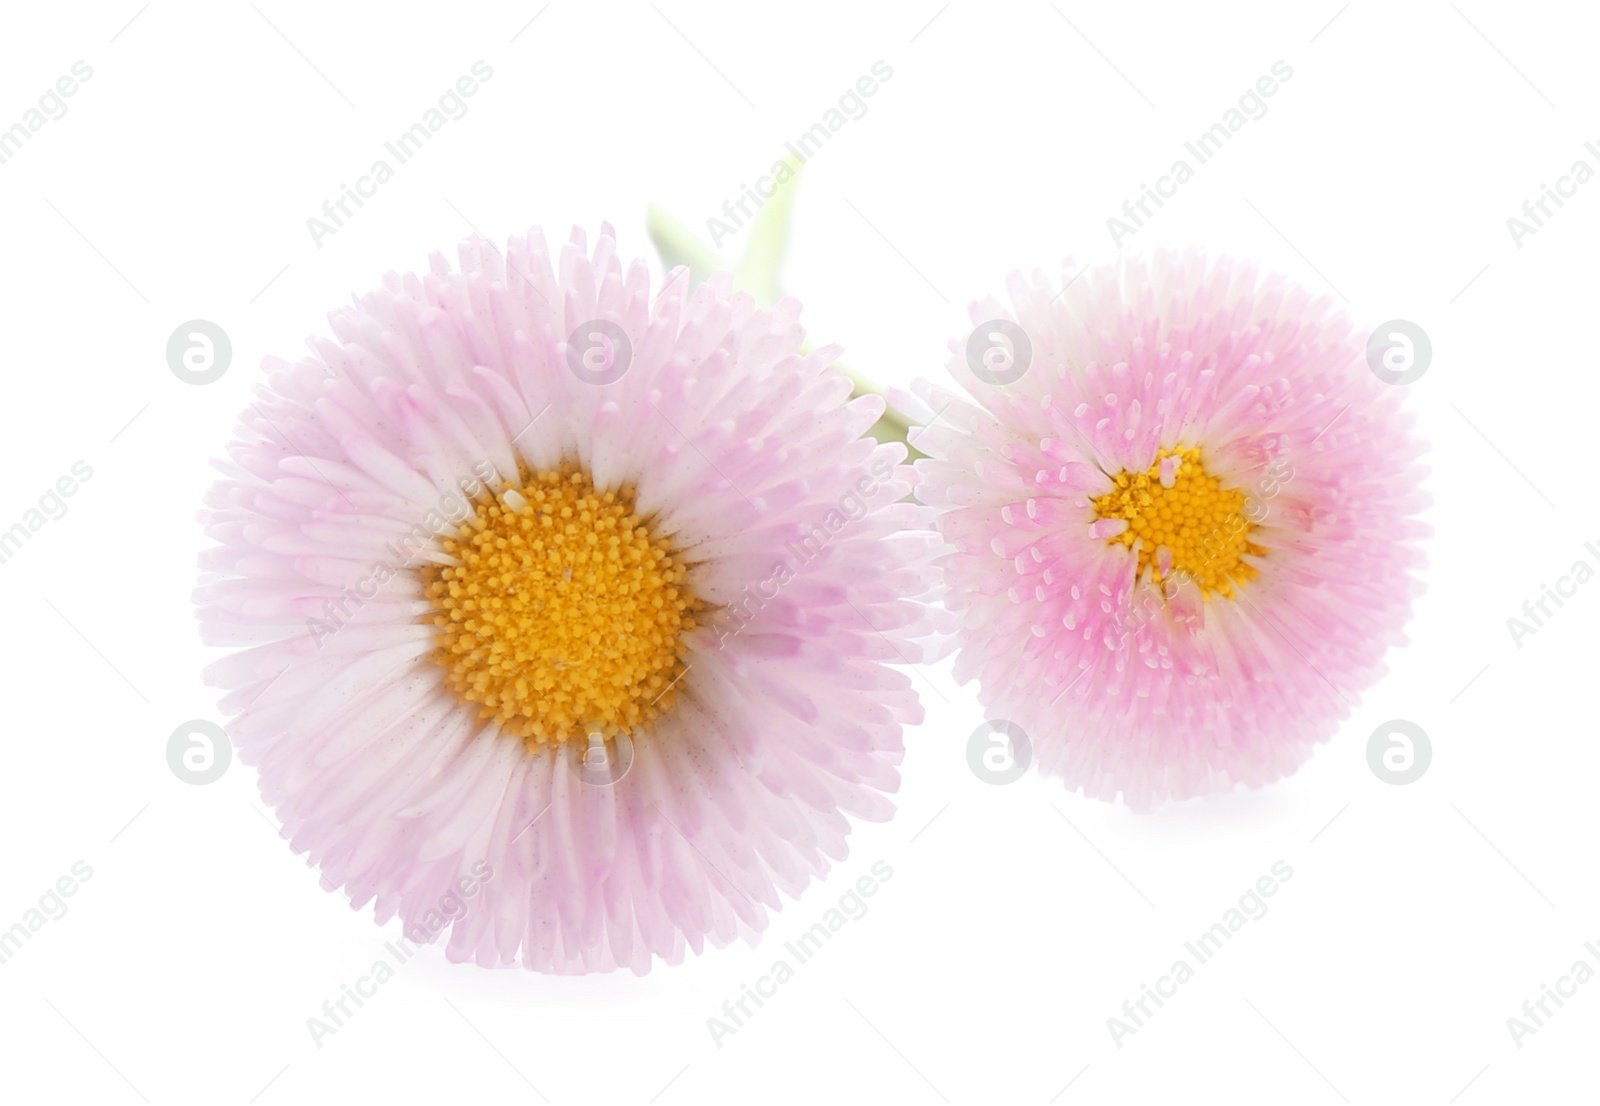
1184 520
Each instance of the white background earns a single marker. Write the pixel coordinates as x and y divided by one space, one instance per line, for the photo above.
1018 918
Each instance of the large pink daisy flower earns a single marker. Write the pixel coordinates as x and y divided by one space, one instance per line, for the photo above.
1184 516
567 613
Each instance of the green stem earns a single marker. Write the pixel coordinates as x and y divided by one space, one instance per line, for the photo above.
757 274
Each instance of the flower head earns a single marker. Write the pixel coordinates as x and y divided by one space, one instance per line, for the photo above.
1184 520
565 614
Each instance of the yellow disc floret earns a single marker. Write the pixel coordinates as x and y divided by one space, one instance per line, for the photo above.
1187 525
564 615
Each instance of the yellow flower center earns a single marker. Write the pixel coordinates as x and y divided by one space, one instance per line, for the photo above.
564 616
1188 526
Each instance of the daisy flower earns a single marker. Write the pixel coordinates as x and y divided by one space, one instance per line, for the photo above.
1183 520
566 616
